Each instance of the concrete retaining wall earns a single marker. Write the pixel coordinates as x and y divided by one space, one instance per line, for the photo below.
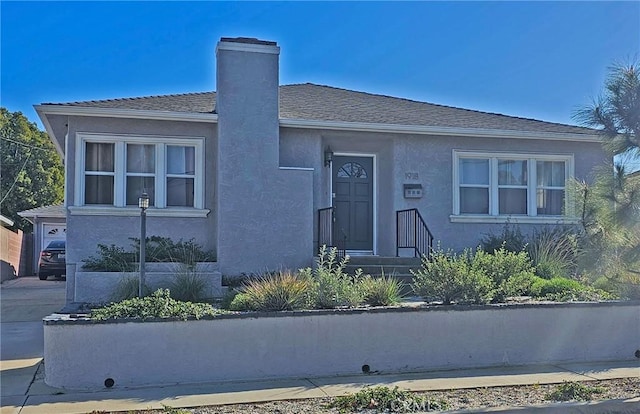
84 354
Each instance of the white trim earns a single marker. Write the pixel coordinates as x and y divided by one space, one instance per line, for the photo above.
375 190
135 211
63 109
297 168
247 47
436 130
120 140
494 215
516 219
6 220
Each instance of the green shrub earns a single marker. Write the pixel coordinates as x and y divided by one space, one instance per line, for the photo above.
511 272
558 285
449 277
381 291
332 287
110 259
158 305
187 285
511 239
279 292
128 288
573 391
241 302
163 249
385 399
566 290
158 249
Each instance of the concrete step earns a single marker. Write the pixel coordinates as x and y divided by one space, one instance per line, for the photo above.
376 270
383 260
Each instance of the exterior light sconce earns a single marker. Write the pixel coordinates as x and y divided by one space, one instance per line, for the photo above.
328 157
143 203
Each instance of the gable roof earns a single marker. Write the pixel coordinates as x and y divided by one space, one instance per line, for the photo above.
321 103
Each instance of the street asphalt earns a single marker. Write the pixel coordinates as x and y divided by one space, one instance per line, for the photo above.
25 301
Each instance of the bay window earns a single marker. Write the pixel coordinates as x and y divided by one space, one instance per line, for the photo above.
506 185
118 169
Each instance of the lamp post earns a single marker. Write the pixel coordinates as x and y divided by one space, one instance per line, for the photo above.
143 203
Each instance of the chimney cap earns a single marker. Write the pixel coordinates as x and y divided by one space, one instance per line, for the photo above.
248 40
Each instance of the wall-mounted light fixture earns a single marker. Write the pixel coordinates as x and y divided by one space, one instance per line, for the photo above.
328 157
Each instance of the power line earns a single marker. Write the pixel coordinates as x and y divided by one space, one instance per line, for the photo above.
26 145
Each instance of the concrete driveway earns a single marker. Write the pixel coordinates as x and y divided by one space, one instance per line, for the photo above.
24 302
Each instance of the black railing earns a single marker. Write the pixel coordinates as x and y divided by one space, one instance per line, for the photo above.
326 219
412 233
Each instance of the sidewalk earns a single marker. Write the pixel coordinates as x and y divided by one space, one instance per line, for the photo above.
43 399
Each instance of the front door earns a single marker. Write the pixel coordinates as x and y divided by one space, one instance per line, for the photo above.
353 202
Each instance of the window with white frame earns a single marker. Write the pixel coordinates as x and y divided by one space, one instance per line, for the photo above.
510 184
118 169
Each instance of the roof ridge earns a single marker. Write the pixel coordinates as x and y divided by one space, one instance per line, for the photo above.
441 105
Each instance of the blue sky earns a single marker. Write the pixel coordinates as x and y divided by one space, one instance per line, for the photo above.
532 59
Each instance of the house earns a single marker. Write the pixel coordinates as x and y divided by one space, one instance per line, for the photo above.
263 174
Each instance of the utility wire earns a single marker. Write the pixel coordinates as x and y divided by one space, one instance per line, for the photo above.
26 145
16 180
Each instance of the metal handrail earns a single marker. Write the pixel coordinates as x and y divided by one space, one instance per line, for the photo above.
326 219
413 233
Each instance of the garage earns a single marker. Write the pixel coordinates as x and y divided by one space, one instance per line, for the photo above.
49 224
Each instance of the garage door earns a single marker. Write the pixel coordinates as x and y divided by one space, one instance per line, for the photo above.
51 232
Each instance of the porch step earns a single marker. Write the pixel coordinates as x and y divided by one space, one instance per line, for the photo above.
399 267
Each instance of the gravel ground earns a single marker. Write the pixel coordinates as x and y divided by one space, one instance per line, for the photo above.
526 395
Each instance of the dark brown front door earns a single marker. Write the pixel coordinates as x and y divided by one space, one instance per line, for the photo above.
353 202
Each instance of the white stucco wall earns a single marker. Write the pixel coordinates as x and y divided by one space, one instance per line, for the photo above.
83 354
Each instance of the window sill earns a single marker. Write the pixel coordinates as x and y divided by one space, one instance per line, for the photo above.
512 219
135 211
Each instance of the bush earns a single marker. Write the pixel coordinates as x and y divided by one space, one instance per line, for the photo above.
163 249
449 277
158 249
279 292
511 239
111 259
128 287
511 273
573 391
158 305
566 290
381 291
187 285
332 287
385 399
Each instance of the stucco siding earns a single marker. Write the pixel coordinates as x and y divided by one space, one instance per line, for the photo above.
420 159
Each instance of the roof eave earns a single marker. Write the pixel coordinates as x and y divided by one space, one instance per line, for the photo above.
437 130
49 129
48 109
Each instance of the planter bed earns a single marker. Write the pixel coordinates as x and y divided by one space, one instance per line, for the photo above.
85 354
98 287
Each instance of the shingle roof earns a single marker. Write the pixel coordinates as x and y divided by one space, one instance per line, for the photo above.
325 103
55 210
